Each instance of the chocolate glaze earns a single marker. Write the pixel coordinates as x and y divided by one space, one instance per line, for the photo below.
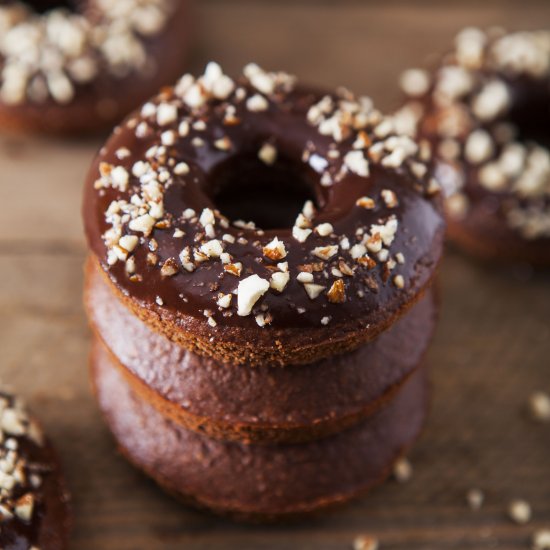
257 481
103 102
298 402
48 528
284 123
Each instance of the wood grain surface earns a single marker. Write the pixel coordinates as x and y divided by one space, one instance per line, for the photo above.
491 352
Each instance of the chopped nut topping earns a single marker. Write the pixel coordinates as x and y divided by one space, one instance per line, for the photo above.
390 198
24 507
313 290
305 277
365 542
479 147
402 470
415 82
223 144
257 103
128 242
169 268
357 163
279 280
144 224
519 511
213 248
275 250
267 154
475 499
263 319
300 234
539 406
234 269
493 99
224 300
365 202
324 229
249 291
399 281
166 114
337 292
541 539
325 252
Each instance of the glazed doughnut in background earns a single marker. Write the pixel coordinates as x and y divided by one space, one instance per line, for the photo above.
71 67
484 109
351 229
257 404
258 482
34 510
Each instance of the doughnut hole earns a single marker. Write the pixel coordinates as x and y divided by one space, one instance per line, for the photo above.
43 6
531 114
271 196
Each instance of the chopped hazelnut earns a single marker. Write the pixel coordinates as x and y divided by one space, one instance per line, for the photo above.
275 250
337 292
249 291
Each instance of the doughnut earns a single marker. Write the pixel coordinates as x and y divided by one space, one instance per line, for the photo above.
262 222
34 510
72 66
484 111
258 482
262 404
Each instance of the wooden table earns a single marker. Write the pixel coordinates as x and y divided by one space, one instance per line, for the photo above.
491 352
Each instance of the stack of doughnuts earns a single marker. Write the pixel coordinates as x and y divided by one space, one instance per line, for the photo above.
75 66
485 111
260 290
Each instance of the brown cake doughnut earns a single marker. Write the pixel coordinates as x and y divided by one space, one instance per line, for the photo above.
262 404
351 230
34 510
258 481
70 66
484 110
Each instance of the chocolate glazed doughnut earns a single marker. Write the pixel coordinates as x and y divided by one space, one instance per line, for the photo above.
34 511
262 404
484 110
169 200
71 66
258 482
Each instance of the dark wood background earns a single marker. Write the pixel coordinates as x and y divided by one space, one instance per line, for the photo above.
491 351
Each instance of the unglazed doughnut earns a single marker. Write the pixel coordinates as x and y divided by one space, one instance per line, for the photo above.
75 66
484 110
348 230
261 404
254 482
34 511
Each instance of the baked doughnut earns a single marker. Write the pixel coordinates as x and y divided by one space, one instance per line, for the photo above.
484 110
262 404
34 509
258 482
70 66
348 229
